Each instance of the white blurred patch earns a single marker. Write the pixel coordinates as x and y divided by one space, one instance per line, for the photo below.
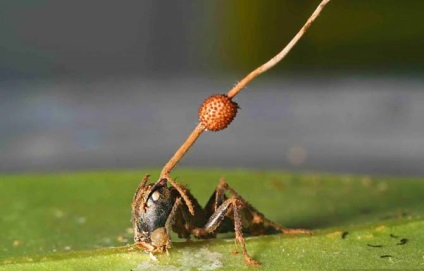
191 259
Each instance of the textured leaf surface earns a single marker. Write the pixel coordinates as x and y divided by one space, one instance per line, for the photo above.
81 221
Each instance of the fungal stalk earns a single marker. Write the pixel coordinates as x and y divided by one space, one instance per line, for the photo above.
219 115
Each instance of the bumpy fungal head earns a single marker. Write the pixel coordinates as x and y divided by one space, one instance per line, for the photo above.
217 112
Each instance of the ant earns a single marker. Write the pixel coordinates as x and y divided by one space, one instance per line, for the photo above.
158 208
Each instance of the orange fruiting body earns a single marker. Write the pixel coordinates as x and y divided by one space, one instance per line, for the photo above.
217 112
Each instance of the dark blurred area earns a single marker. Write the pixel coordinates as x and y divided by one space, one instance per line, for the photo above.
116 84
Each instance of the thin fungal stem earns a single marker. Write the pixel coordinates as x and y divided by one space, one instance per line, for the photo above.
166 171
277 58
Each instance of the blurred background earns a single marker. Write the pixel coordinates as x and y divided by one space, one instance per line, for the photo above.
116 84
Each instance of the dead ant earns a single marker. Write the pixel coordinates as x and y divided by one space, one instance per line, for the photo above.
157 208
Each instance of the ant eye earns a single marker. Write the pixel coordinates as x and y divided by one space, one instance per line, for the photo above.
153 198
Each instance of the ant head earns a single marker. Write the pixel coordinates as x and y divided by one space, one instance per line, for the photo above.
151 208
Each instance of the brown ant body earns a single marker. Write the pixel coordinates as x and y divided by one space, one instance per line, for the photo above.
158 208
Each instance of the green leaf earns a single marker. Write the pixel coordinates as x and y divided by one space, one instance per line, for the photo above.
81 221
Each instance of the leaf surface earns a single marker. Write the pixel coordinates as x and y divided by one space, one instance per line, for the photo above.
81 221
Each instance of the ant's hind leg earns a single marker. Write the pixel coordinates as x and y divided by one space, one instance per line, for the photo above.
259 224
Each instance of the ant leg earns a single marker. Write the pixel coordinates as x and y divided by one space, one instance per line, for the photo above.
185 194
138 196
181 221
259 223
234 206
236 210
171 221
239 235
